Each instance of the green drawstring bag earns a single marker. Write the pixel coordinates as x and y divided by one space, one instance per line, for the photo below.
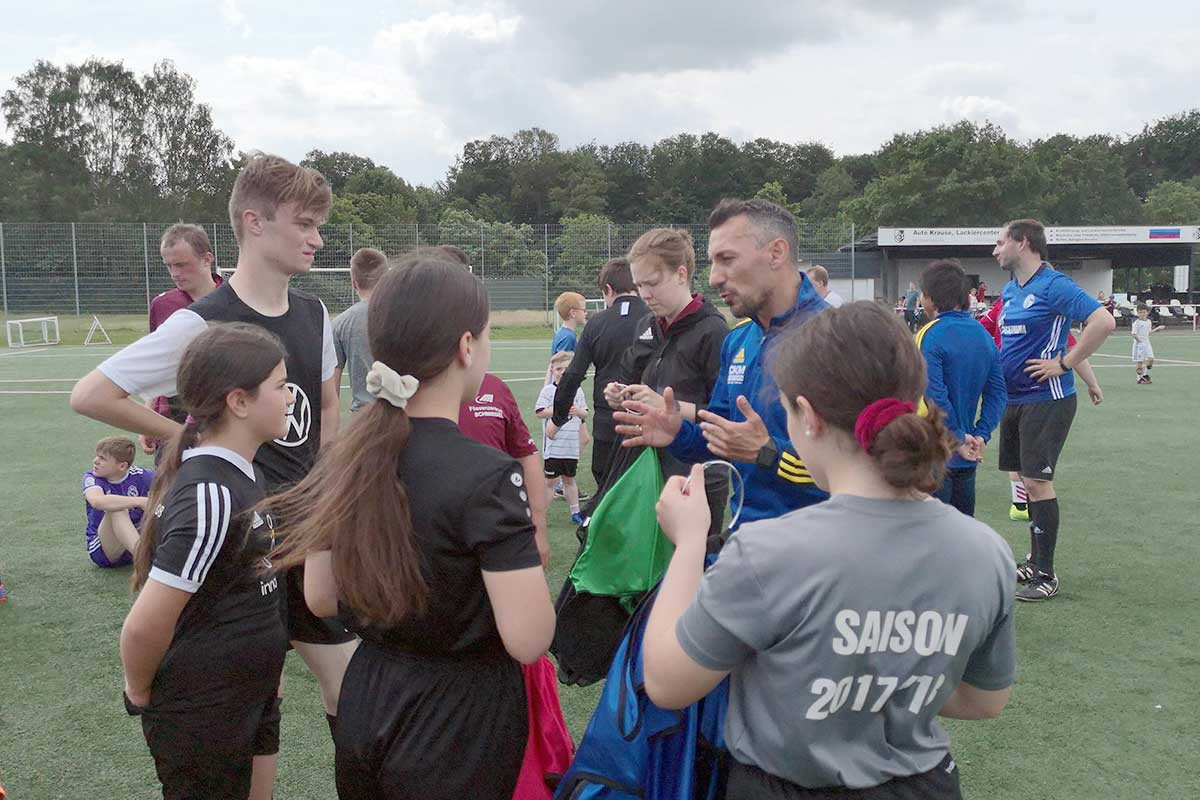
626 553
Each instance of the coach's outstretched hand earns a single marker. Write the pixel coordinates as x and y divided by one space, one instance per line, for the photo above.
644 424
736 441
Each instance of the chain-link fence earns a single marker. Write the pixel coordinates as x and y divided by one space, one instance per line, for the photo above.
115 268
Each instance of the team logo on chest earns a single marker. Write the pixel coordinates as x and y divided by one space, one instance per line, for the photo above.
299 419
1030 300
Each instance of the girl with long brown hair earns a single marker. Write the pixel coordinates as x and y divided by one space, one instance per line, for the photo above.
423 540
203 645
846 627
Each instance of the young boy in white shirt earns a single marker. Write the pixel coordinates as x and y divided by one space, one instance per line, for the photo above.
561 453
1143 353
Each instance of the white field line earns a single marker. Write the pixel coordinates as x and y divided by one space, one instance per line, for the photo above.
23 352
1156 360
27 391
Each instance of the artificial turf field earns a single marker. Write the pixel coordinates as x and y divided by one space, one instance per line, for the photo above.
1105 704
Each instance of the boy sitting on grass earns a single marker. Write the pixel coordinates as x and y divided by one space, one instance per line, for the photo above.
114 494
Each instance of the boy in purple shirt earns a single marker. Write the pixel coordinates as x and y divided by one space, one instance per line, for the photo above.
114 495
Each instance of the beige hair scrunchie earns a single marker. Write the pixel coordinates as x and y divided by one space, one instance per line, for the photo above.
387 384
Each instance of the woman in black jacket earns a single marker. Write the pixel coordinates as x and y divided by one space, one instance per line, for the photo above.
679 345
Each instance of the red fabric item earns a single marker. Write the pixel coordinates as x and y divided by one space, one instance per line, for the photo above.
876 417
549 750
162 307
688 310
169 302
991 321
494 419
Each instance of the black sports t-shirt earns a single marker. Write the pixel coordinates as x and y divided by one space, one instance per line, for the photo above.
470 512
230 637
149 366
287 460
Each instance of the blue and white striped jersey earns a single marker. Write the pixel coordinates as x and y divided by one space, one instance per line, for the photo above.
1034 323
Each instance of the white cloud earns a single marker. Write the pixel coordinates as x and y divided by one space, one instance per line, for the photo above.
231 12
407 85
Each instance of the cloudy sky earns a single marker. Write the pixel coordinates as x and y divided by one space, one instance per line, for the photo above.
406 83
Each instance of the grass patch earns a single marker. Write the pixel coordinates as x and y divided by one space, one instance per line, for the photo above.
1104 705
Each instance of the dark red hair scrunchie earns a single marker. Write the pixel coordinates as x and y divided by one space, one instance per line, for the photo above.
878 416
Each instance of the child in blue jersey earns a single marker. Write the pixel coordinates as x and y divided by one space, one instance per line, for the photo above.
114 496
963 368
1039 305
572 313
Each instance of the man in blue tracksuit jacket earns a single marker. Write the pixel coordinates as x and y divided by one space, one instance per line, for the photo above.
752 245
962 365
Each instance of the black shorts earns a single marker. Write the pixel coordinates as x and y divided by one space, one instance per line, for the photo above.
436 728
566 467
1032 436
210 753
303 625
751 783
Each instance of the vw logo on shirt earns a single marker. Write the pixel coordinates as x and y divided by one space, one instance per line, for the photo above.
299 419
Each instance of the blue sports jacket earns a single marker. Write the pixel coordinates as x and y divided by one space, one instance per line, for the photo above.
963 364
785 485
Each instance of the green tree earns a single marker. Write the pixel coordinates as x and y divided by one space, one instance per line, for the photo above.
581 248
834 186
773 191
582 187
187 159
142 147
337 167
379 181
1173 203
1166 150
965 174
1083 180
497 249
536 165
483 168
626 168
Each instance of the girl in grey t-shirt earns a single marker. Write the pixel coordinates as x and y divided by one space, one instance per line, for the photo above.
846 627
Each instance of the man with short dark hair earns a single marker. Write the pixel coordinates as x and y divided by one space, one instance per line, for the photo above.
603 343
962 369
1038 307
350 341
752 246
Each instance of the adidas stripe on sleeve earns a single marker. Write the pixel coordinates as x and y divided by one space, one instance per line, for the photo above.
191 533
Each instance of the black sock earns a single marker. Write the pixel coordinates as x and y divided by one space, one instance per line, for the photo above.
1033 545
1020 506
1044 516
332 720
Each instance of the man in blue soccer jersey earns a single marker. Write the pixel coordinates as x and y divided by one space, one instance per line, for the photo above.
1038 306
114 496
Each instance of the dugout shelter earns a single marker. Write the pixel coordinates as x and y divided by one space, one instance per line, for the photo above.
1088 254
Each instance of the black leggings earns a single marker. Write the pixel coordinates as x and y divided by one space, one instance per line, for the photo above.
751 783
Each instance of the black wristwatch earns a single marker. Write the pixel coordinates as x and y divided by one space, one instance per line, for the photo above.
1063 364
768 454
